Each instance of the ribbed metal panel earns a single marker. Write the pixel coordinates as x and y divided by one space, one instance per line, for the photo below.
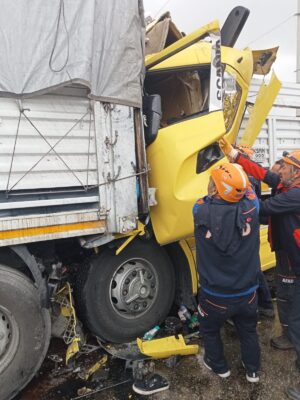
54 147
52 173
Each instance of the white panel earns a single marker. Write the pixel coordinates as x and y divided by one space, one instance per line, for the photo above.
65 122
36 221
286 102
49 179
47 203
116 163
125 189
262 141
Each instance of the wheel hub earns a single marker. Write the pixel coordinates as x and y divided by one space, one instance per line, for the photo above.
134 288
5 332
9 337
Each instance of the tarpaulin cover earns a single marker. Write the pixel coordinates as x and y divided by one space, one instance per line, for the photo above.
97 43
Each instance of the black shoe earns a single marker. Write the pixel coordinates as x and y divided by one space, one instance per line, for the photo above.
266 312
282 343
222 374
151 384
293 393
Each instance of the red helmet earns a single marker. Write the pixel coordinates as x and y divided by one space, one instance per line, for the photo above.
231 181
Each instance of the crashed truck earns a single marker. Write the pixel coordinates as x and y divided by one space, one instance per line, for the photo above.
107 136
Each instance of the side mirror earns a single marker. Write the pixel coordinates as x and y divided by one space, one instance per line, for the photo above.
208 157
152 111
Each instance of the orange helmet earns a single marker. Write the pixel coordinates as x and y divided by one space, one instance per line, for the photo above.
244 149
292 158
231 181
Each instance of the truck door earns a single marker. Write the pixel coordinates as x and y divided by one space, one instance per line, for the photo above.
192 119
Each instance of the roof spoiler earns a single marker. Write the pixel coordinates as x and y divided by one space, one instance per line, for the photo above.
233 25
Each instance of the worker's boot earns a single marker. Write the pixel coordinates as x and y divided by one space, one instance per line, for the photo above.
266 312
293 392
282 342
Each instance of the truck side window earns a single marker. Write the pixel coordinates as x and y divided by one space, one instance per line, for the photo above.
184 93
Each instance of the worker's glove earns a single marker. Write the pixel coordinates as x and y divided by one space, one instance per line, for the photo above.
227 149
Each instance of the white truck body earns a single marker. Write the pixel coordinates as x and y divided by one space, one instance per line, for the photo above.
69 99
281 130
62 163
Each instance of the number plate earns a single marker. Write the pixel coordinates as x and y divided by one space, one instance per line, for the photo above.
259 155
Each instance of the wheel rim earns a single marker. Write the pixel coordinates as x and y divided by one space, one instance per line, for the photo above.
134 288
9 337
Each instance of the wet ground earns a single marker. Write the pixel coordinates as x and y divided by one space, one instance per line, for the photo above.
189 379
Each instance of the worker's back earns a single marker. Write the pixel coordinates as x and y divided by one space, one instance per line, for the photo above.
227 240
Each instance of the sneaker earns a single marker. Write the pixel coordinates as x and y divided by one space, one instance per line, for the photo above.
224 374
252 377
282 343
151 384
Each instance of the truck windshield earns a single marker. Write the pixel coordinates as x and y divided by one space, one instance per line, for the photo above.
184 93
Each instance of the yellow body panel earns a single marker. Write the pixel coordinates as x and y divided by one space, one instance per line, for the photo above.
263 104
267 257
190 254
156 58
172 157
200 54
167 347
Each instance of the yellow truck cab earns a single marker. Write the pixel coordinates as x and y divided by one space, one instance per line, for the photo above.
192 121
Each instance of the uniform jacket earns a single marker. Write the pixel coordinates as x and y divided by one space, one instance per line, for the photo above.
283 210
227 245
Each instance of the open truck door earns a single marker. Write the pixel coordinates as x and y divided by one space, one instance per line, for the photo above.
191 93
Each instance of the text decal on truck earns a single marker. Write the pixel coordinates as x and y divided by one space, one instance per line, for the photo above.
216 86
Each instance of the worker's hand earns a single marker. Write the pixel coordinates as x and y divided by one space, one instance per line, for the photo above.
225 146
227 149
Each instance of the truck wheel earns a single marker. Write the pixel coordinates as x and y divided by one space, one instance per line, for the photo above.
24 332
122 297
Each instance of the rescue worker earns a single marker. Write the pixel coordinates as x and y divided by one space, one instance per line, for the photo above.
283 208
265 304
227 244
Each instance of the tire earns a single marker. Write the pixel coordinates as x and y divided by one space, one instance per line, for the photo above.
24 332
144 270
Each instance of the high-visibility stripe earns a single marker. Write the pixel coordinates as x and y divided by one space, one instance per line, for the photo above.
45 230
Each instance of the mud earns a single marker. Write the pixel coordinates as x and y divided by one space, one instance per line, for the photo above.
189 379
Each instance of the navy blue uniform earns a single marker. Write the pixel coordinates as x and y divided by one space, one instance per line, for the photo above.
283 210
227 245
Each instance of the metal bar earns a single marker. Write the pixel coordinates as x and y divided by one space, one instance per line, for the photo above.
84 396
50 202
14 149
141 162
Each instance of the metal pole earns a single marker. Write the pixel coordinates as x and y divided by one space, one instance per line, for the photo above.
298 49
